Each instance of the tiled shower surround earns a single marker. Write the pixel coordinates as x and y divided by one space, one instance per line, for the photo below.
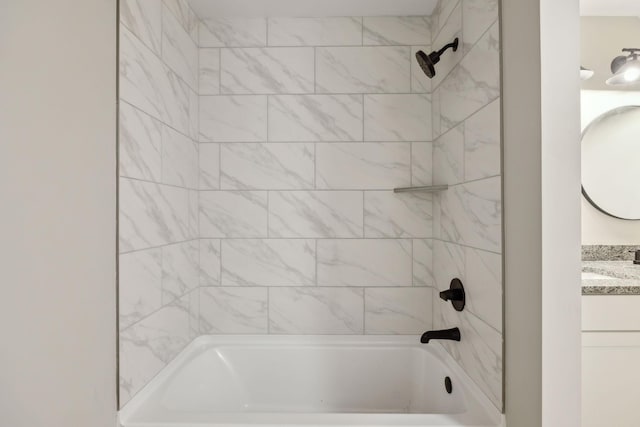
280 218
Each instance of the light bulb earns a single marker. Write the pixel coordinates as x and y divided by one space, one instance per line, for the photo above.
632 74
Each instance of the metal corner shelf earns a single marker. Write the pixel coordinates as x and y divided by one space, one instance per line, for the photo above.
423 189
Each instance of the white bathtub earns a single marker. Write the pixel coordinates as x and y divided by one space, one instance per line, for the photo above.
310 381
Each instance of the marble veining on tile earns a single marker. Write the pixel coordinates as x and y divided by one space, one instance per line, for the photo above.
482 150
233 214
179 159
421 163
363 69
210 267
396 30
315 118
267 166
233 118
423 265
144 19
140 142
312 310
140 275
233 32
315 214
325 31
355 166
233 310
266 262
209 71
185 16
397 117
267 70
478 16
397 310
179 51
448 157
209 159
387 214
364 262
180 272
151 214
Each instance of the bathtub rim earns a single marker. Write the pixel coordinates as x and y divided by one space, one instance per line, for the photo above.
204 342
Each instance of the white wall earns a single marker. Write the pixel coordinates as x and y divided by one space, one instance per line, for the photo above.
57 187
541 213
598 228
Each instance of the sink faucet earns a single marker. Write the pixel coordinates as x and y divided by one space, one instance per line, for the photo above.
452 334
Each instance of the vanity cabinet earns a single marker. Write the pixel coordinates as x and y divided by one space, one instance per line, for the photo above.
611 360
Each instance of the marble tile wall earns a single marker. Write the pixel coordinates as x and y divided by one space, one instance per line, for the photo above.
467 155
159 268
306 125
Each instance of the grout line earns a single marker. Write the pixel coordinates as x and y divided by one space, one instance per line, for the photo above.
158 183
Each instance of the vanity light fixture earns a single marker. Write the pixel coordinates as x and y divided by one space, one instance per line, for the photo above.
585 73
625 69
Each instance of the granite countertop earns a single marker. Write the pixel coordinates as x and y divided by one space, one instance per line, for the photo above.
610 278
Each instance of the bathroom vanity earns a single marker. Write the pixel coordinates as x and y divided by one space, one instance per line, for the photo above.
610 343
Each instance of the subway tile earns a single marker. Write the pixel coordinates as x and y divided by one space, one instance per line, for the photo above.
480 222
315 214
210 263
449 263
397 310
441 14
280 166
194 115
267 70
479 352
194 207
233 310
148 84
311 310
436 118
397 117
396 30
209 71
233 118
423 262
268 262
362 165
326 31
420 83
140 283
421 163
140 142
233 214
315 118
450 30
478 16
474 83
482 154
452 217
483 286
192 300
448 157
147 346
179 51
209 166
383 69
179 159
364 262
180 273
387 214
144 19
151 214
233 32
185 16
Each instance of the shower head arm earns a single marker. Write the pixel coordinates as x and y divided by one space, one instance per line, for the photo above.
453 45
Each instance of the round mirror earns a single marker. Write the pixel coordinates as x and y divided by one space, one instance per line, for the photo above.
611 163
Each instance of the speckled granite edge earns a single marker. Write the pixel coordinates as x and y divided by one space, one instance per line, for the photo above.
624 270
610 290
608 252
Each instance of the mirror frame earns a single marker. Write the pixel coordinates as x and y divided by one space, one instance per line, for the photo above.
584 132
